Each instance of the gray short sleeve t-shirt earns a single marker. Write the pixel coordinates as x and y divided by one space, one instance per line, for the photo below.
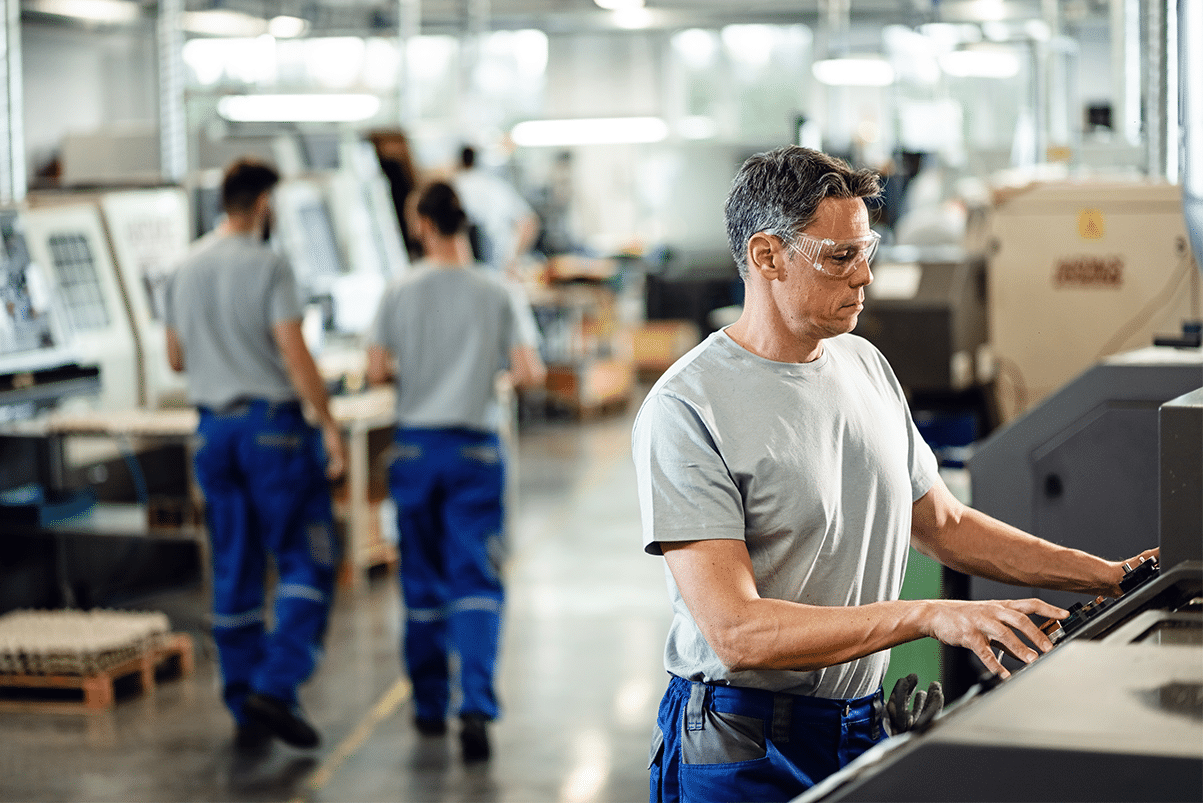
814 465
223 301
450 331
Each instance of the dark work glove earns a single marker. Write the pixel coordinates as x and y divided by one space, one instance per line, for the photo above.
900 719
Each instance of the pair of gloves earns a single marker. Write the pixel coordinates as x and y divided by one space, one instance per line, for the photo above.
926 704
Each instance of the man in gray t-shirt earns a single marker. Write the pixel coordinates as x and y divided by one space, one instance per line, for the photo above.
443 335
234 324
782 479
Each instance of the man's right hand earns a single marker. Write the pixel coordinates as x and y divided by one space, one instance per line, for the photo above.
336 452
980 625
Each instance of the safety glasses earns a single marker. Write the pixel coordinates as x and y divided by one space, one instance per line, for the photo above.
836 259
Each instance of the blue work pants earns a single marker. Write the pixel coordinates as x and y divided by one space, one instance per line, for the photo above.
261 467
730 743
448 485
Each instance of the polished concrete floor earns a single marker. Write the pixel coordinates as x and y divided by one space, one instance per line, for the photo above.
580 675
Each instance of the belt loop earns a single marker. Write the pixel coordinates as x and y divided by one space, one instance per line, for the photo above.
694 710
783 711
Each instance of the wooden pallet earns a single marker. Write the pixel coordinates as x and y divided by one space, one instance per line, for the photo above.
172 658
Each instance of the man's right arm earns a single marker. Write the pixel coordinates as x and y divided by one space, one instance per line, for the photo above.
526 367
308 383
747 631
175 351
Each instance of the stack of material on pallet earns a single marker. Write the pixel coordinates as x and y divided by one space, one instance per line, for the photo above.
71 642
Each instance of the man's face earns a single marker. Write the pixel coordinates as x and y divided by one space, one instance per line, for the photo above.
814 304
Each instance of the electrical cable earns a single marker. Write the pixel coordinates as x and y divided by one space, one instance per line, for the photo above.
1156 303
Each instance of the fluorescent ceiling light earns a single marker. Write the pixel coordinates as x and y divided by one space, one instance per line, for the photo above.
864 71
633 19
285 27
222 22
980 64
597 131
298 108
111 11
619 5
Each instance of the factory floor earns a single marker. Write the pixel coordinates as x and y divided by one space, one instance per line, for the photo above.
580 675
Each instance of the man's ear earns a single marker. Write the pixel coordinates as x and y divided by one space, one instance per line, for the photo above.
763 256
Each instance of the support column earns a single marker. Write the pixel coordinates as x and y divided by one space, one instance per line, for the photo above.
409 26
13 179
173 134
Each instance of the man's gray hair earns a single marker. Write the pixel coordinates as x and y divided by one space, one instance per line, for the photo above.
779 192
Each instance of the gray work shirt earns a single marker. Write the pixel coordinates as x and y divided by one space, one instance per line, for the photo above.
222 301
815 466
450 331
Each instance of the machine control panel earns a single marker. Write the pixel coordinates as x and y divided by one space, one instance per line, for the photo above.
1080 614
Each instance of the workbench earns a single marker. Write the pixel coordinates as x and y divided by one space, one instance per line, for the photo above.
360 415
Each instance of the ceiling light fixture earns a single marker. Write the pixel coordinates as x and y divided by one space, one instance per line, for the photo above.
980 64
330 108
861 71
285 27
595 131
106 11
619 5
223 22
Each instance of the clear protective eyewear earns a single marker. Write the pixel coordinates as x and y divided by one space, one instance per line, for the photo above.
836 259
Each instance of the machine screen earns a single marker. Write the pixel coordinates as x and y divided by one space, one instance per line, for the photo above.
78 281
321 256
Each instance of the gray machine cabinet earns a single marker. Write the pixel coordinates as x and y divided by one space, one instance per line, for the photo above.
925 334
1082 468
1181 437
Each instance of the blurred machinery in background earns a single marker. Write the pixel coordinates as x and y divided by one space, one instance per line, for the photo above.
38 365
67 237
99 507
1081 270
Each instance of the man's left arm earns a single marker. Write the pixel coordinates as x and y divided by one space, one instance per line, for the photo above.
975 543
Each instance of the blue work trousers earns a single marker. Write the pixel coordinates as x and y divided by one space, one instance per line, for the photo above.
261 467
730 743
448 485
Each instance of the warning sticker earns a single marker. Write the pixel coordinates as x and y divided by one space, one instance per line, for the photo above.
1089 271
1090 224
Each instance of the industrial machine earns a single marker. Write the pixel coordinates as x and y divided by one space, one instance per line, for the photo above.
150 233
1082 467
37 366
926 312
1080 270
1114 712
70 241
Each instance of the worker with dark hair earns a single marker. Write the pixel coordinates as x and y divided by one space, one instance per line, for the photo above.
234 324
443 334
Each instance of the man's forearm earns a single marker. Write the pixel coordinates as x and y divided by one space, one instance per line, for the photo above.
775 634
302 371
747 631
975 543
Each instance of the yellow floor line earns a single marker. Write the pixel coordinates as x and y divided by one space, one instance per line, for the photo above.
384 708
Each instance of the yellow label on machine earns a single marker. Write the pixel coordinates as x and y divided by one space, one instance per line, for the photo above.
1090 224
